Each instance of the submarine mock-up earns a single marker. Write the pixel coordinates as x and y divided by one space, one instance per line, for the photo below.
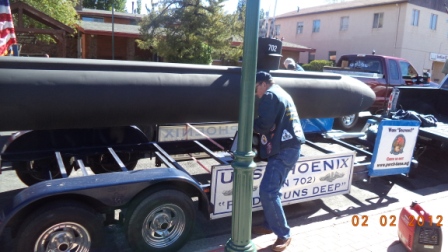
62 93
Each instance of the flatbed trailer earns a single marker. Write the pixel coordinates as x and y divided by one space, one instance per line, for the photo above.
157 205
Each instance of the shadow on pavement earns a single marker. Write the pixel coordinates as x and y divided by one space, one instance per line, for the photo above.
432 171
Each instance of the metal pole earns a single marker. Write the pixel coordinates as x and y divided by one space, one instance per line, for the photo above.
243 164
113 38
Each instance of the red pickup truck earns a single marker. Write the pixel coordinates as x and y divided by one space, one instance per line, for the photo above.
381 73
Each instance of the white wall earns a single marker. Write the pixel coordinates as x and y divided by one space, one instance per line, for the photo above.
396 38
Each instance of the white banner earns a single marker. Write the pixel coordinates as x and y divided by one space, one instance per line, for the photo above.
312 178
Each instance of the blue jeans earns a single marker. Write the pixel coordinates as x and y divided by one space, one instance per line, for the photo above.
274 177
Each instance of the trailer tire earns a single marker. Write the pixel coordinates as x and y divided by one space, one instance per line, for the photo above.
35 171
61 226
347 122
162 221
104 163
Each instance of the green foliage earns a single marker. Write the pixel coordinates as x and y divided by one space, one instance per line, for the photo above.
119 5
317 65
197 53
61 10
189 31
234 24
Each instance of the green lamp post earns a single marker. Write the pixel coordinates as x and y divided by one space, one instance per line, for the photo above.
243 164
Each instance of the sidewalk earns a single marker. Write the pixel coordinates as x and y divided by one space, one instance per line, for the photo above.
339 234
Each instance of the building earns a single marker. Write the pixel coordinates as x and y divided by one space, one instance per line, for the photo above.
289 50
97 33
416 30
95 37
102 35
26 35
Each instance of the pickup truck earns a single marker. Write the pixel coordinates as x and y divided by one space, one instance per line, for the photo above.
381 73
425 101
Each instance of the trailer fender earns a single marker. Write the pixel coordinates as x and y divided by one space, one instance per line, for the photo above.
103 191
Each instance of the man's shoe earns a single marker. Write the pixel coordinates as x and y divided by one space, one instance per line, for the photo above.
281 244
261 230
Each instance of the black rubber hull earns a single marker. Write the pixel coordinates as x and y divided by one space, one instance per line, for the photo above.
74 93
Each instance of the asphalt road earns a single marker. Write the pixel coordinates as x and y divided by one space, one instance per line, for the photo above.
365 195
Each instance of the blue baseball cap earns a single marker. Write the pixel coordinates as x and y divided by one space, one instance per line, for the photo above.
262 76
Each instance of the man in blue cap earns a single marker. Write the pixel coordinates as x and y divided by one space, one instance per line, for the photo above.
281 135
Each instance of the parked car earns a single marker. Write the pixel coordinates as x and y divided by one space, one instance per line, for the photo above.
381 73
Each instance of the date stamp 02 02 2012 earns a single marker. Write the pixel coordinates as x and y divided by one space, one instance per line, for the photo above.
391 220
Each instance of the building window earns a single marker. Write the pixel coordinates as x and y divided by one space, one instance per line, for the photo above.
415 16
311 56
344 23
433 23
299 27
93 19
277 30
316 25
378 20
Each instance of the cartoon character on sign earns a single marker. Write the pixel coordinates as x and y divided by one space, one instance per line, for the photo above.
398 145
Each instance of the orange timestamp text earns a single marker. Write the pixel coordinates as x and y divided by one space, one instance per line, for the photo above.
391 220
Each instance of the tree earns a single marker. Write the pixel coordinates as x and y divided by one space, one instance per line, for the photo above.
187 31
234 23
63 11
119 5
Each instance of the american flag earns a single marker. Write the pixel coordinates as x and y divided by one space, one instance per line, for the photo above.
7 35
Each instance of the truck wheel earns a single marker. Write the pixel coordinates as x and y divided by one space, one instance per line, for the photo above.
162 221
62 226
347 122
35 171
104 163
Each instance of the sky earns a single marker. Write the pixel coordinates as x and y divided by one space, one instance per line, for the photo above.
283 6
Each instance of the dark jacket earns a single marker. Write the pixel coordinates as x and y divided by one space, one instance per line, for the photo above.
278 122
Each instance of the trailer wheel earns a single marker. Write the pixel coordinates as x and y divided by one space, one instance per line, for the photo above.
35 171
160 222
63 226
347 122
104 163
